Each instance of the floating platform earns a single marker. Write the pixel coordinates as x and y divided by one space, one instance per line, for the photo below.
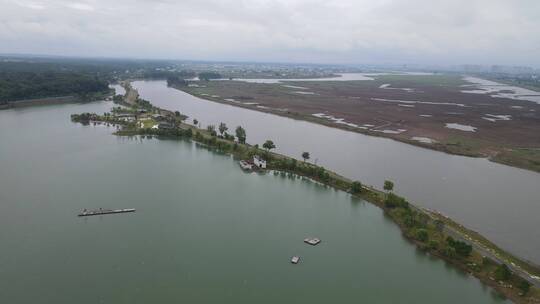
295 259
104 211
312 241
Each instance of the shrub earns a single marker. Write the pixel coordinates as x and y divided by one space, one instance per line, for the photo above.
356 187
395 201
463 249
422 235
502 273
450 252
523 285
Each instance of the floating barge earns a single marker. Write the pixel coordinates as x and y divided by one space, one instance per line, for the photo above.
295 259
312 241
104 211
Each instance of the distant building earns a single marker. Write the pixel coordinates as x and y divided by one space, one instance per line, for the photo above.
159 117
259 162
124 115
165 126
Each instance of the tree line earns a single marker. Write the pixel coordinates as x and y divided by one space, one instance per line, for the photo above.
26 85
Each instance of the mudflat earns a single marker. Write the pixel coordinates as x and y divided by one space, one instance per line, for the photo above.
442 112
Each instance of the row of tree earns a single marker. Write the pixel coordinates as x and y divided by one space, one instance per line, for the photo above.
26 85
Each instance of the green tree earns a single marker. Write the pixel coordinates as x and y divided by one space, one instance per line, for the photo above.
502 273
209 75
388 185
462 248
524 286
433 244
422 235
177 113
212 130
356 187
269 145
395 201
241 134
222 128
195 122
450 252
305 156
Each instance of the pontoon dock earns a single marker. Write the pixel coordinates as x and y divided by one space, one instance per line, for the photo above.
104 211
312 241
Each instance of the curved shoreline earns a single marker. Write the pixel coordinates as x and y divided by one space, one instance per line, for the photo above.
41 101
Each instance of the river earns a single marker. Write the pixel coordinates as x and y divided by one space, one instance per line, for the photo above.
204 231
498 201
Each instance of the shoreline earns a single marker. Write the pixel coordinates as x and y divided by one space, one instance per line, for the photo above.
435 147
54 100
476 264
40 101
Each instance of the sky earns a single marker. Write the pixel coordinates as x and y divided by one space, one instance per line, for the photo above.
443 32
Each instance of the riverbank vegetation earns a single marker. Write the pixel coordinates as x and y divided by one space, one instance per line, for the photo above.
429 232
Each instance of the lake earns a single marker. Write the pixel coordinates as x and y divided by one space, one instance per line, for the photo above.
204 231
499 201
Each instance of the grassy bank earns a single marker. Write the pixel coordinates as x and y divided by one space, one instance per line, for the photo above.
430 231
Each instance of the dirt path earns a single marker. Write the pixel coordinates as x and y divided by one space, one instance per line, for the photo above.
131 93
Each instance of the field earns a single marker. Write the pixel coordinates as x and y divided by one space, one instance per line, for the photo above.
411 108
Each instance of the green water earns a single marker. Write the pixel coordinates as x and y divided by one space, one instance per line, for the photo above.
204 231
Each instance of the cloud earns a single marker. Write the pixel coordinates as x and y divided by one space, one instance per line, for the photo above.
80 6
346 31
31 5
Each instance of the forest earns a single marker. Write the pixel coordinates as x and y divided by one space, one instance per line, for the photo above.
27 85
27 78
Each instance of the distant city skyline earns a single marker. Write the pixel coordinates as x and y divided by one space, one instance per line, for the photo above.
445 33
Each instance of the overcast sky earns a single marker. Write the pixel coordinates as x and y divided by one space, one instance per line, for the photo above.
319 31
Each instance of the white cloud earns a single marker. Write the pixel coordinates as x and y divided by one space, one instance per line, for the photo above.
80 6
447 31
31 5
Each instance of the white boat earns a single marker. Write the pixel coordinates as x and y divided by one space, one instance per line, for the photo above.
245 165
295 259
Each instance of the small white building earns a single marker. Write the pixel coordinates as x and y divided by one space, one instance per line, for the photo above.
259 162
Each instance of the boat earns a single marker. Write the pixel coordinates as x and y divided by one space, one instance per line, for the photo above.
245 165
104 211
312 241
295 259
